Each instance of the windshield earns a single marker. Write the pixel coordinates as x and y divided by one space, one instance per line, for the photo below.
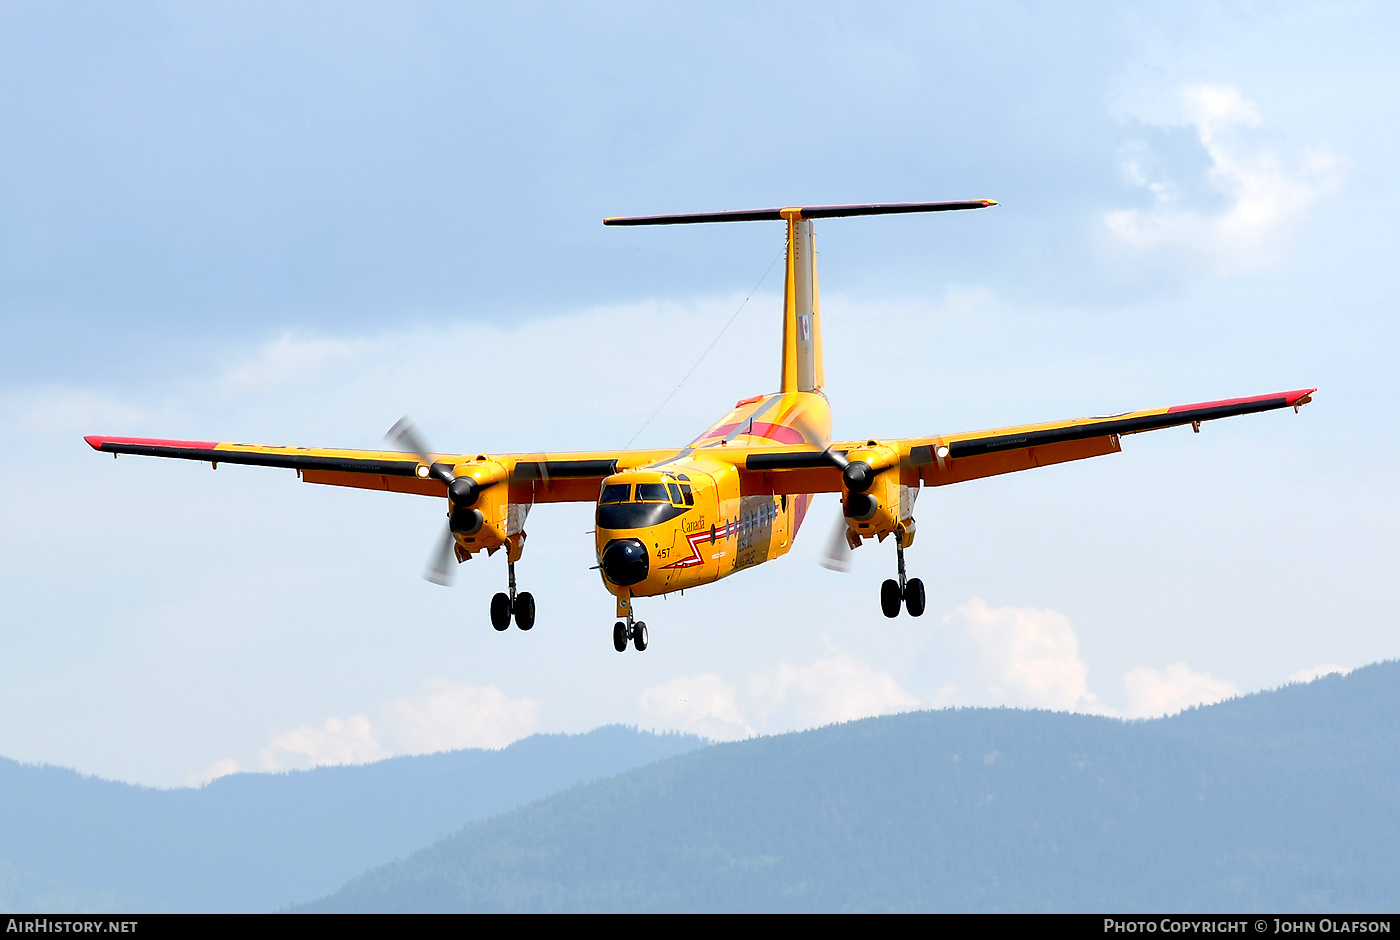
616 493
653 493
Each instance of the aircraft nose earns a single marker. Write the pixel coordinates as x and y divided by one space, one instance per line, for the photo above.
625 562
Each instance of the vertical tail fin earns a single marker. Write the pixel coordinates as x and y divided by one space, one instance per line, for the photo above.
802 330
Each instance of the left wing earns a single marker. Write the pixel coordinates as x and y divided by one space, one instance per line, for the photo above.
953 458
958 457
540 478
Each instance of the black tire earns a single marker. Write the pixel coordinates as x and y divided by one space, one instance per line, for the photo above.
639 636
524 610
889 598
500 612
620 637
914 597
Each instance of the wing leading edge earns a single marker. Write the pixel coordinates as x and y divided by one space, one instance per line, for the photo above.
570 477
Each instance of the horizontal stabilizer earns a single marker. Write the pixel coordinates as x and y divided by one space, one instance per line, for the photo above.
806 212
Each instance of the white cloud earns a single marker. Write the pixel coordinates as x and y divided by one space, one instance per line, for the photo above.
1153 693
1262 190
1317 672
837 688
1029 656
220 768
445 716
335 741
704 704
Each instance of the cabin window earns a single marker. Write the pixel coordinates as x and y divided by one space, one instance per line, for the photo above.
675 492
712 534
685 492
653 493
616 493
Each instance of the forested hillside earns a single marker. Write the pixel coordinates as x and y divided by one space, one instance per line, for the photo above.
256 842
1287 800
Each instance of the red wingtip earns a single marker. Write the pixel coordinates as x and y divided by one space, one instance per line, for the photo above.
1301 397
96 441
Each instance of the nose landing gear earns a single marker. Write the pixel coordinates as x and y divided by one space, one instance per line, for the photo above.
635 631
504 606
908 592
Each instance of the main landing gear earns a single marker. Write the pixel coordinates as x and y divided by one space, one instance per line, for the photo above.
521 606
910 593
635 631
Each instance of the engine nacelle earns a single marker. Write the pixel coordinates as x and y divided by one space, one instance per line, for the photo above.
479 506
873 499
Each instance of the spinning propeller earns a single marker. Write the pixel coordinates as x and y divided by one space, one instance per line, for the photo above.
856 477
461 493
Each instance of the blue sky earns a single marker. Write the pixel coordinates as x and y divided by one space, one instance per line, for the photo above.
294 224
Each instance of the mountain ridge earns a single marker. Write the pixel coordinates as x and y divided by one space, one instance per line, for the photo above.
1279 800
254 842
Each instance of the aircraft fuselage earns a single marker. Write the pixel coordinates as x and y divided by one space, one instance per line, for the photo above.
686 520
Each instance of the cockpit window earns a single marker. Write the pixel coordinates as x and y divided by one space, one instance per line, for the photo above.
675 492
685 492
653 493
616 493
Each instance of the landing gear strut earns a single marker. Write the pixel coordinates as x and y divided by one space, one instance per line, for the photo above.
521 605
636 631
909 592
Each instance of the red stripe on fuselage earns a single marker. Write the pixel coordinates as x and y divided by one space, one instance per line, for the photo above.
779 433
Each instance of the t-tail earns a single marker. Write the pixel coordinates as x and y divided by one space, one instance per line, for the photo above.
802 329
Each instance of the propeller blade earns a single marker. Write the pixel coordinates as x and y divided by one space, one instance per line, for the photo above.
440 566
813 433
406 436
837 556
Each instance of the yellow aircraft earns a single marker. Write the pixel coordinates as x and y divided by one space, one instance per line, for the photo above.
732 498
